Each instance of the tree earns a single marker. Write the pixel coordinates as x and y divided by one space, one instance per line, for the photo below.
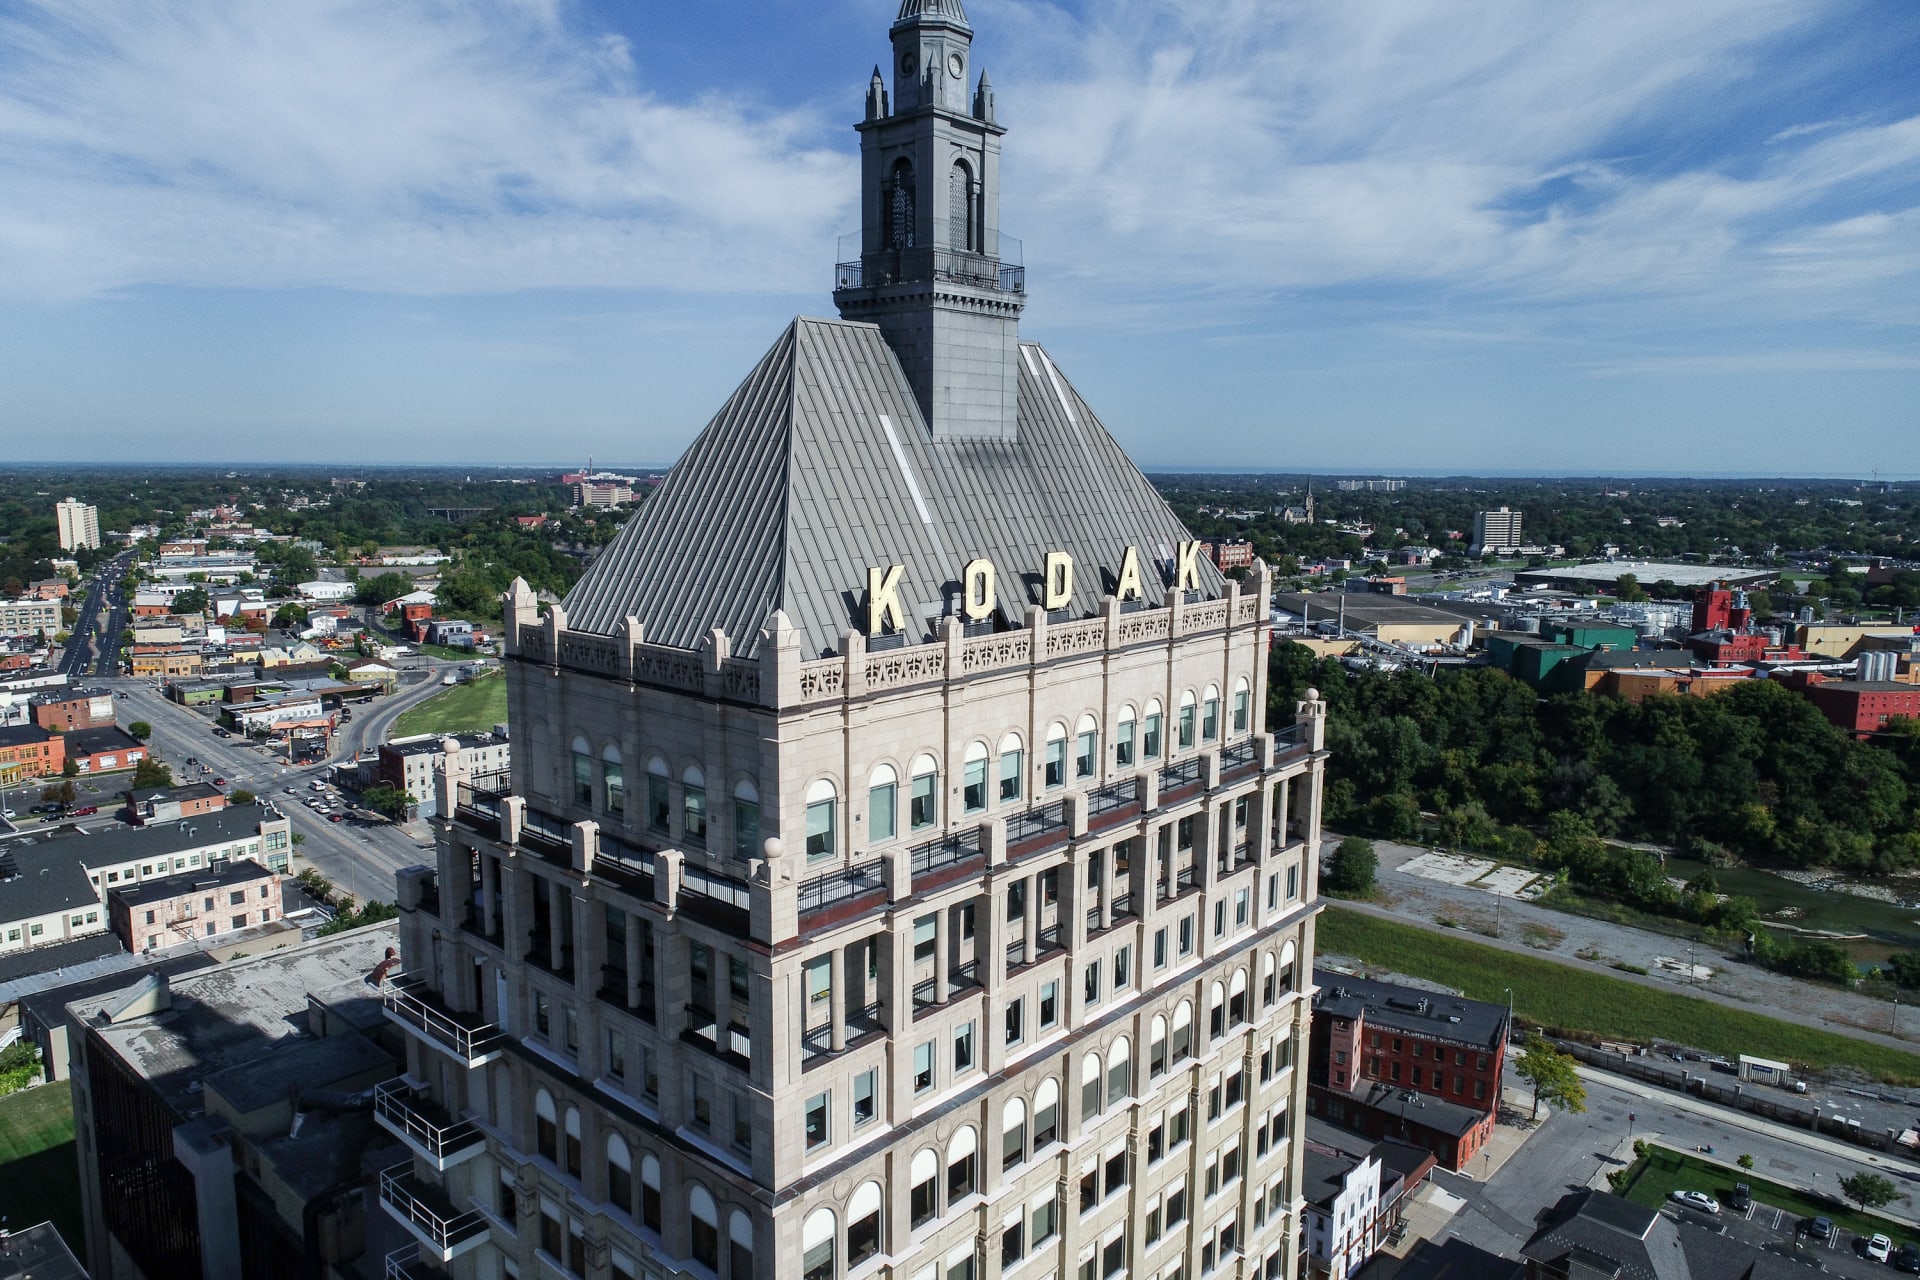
389 800
1352 868
192 600
240 795
1628 588
140 729
59 793
1868 1190
1555 1081
289 615
151 773
382 588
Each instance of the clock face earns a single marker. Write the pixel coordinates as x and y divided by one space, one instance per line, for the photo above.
957 65
907 63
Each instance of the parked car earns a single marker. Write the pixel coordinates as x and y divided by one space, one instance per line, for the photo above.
1820 1228
335 817
1696 1200
219 782
1878 1247
1907 1258
1742 1198
85 810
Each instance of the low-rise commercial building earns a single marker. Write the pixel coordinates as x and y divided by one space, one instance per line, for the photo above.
195 906
411 763
149 805
104 750
66 709
29 617
1342 1212
227 1121
28 751
1863 707
45 898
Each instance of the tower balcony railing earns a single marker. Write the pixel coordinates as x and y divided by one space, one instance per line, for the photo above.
405 1264
444 1231
443 1140
1001 271
468 1038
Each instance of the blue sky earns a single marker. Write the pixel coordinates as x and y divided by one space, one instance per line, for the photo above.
1643 237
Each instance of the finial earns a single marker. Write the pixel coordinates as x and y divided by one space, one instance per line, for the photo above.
876 96
983 99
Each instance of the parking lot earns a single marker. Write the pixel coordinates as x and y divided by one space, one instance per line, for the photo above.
1787 1234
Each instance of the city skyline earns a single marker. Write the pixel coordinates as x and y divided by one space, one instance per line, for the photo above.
1493 239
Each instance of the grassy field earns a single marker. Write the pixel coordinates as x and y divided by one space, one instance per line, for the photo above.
1562 998
464 708
37 1164
1664 1171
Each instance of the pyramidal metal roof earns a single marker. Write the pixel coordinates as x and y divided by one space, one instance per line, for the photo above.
820 467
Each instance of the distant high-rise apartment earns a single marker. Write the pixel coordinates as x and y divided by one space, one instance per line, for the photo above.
1497 531
79 524
899 876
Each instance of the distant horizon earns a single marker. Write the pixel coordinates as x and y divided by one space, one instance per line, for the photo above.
1330 473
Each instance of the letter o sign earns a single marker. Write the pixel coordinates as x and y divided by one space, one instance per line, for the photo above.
977 591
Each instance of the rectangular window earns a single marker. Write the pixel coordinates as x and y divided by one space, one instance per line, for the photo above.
865 1088
1123 745
925 936
816 1123
659 808
1123 968
737 979
542 1013
1016 1021
923 1067
1084 748
1159 948
1049 1004
880 802
923 803
1056 763
702 1094
974 794
1012 764
963 1048
821 839
616 1055
238 922
237 897
1090 983
1186 936
742 1124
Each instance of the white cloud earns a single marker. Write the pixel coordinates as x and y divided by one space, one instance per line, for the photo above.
386 146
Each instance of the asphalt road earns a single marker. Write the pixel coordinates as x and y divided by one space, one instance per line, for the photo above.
1571 1152
79 659
360 858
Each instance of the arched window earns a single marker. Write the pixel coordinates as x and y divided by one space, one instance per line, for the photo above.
863 1224
659 802
923 793
1013 762
1086 747
1092 1099
1013 1133
960 205
1150 731
746 820
823 840
961 1179
1124 743
705 1220
613 779
1210 714
619 1173
1187 718
883 792
1157 1046
1119 1071
1216 1010
900 207
1286 966
693 804
572 1149
1056 757
1237 998
1046 1113
739 1246
923 1201
1242 705
582 771
546 1126
1183 1031
973 791
650 1193
816 1244
1269 979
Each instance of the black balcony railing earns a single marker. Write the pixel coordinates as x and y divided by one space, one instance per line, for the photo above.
1240 753
1176 776
949 851
1112 799
843 885
1036 823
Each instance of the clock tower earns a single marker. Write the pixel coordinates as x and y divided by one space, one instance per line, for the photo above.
932 269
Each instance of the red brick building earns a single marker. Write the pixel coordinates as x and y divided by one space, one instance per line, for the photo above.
1862 707
1400 1062
74 710
29 751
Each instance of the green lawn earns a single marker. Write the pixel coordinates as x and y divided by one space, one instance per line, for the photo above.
464 708
37 1162
1664 1171
1561 998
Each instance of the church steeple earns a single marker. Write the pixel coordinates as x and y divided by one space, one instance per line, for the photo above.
934 272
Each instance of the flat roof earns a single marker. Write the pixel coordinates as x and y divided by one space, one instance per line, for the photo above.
1371 609
252 1010
128 844
1607 572
1412 1009
1869 686
239 871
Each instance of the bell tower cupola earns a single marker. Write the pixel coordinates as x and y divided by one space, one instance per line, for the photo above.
932 268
